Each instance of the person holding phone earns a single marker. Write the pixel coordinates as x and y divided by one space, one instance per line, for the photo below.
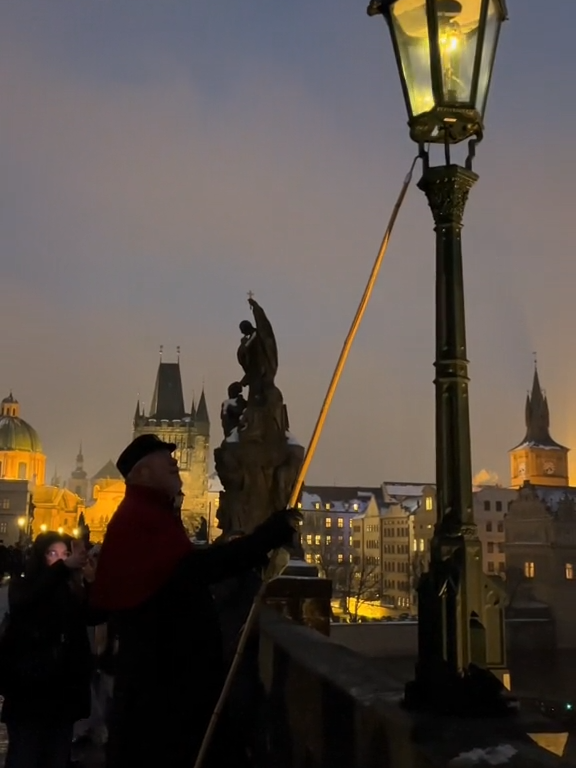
45 660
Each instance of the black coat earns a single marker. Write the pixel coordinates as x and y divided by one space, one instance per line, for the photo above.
46 653
170 667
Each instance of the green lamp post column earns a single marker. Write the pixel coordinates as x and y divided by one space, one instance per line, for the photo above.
445 52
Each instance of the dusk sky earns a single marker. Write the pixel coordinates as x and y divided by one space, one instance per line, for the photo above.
160 158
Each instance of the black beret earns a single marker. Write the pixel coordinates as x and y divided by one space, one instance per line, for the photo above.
140 447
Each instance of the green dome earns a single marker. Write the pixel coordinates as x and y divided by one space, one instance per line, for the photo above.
17 435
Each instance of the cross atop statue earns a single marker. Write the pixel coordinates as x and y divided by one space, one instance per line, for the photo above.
250 294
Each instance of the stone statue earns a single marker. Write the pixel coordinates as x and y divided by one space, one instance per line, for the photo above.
258 460
232 409
258 353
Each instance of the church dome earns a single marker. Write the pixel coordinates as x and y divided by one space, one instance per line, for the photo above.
15 433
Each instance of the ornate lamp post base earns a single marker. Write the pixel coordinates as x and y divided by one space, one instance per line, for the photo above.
461 648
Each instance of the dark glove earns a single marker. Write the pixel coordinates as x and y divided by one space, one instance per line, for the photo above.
280 528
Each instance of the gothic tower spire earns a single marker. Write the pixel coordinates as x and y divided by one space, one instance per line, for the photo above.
538 459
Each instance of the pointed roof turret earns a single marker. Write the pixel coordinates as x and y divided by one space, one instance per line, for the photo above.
137 413
168 399
202 410
193 409
537 415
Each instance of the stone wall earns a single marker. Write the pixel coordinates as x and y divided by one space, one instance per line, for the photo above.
328 707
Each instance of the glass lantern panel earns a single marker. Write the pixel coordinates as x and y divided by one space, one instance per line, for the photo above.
410 28
488 52
458 26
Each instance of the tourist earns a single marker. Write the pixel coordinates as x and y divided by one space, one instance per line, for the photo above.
170 667
45 655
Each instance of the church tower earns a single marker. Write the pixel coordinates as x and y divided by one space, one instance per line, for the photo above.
538 459
167 417
78 482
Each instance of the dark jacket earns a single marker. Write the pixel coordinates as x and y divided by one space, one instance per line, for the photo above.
46 654
170 667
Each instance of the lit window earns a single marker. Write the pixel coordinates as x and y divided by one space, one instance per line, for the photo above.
415 545
529 570
421 545
340 522
316 505
428 503
5 503
350 541
3 527
355 507
299 505
317 558
328 540
328 522
327 505
340 558
318 540
351 558
309 539
309 558
569 571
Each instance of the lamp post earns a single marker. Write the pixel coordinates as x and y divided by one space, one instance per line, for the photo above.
445 53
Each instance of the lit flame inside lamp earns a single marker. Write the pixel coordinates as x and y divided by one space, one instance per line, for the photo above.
450 43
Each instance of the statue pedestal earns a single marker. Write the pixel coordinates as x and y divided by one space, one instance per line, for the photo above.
304 599
300 568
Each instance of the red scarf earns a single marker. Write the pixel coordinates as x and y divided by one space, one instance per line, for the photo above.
144 543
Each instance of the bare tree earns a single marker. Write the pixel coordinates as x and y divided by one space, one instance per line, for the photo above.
360 581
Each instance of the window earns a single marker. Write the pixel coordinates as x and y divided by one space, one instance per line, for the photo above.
502 567
22 470
299 505
340 557
355 507
501 547
488 525
309 539
498 506
428 503
318 540
415 545
328 522
340 522
500 527
421 545
569 571
327 505
349 540
309 558
3 527
5 503
328 540
486 506
529 570
490 547
317 505
490 566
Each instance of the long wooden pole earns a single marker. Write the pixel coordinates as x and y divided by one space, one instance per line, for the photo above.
294 496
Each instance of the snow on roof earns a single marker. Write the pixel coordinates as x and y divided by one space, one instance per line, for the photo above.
312 501
404 489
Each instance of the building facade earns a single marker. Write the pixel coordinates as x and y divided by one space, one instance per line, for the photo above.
327 530
14 509
21 456
541 555
491 504
189 430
